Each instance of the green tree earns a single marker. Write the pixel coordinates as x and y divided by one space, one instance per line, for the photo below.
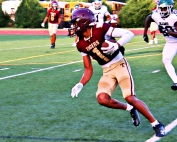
4 19
135 12
30 14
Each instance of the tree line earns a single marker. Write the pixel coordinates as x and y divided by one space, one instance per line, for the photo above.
30 14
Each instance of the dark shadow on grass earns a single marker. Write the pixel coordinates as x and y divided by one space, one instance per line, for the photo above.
60 139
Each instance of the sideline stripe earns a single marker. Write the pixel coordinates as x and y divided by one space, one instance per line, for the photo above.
168 128
12 76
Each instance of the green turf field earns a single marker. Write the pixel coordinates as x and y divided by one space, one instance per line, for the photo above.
35 87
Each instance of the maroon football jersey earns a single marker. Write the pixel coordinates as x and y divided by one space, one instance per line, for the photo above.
53 16
92 46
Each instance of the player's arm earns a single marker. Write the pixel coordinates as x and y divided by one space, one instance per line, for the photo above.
108 18
146 26
88 71
45 19
107 14
59 19
123 35
173 33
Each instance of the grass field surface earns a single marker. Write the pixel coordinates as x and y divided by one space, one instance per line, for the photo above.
36 82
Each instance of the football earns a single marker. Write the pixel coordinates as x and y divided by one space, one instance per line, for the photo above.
105 44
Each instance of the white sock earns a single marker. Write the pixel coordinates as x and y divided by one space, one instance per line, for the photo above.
129 107
154 123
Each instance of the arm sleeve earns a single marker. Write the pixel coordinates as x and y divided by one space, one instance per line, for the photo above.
106 11
123 35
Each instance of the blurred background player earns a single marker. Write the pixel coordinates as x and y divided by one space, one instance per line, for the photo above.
166 18
115 18
76 7
100 11
53 17
153 28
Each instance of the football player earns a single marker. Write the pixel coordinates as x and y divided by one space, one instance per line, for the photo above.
165 17
53 17
116 69
100 11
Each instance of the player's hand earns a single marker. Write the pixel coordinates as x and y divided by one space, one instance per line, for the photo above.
43 25
111 48
145 37
76 89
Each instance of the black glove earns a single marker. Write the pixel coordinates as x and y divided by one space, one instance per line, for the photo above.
145 37
122 49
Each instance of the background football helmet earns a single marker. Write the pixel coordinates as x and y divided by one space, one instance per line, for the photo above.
81 19
54 5
97 4
76 6
165 7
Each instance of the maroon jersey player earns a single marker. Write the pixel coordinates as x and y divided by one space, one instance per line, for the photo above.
54 19
116 69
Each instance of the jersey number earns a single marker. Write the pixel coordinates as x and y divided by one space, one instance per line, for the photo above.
164 30
96 18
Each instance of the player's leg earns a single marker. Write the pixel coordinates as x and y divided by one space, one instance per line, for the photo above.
127 86
50 28
107 86
54 31
152 33
155 38
169 51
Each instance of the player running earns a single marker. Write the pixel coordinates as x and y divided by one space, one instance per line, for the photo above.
53 17
166 18
116 69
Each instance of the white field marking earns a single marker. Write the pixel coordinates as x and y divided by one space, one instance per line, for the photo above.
168 128
4 69
77 70
143 48
30 72
155 71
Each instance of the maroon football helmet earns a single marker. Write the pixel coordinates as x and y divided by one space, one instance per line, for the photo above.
81 19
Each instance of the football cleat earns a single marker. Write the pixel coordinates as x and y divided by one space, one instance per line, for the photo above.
174 87
135 117
53 46
159 130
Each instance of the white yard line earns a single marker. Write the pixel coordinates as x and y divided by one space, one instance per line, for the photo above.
39 70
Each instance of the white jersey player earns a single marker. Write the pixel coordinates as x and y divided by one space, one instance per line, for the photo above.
166 19
100 11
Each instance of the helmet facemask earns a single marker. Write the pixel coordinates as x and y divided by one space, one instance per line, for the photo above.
97 4
165 8
54 6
